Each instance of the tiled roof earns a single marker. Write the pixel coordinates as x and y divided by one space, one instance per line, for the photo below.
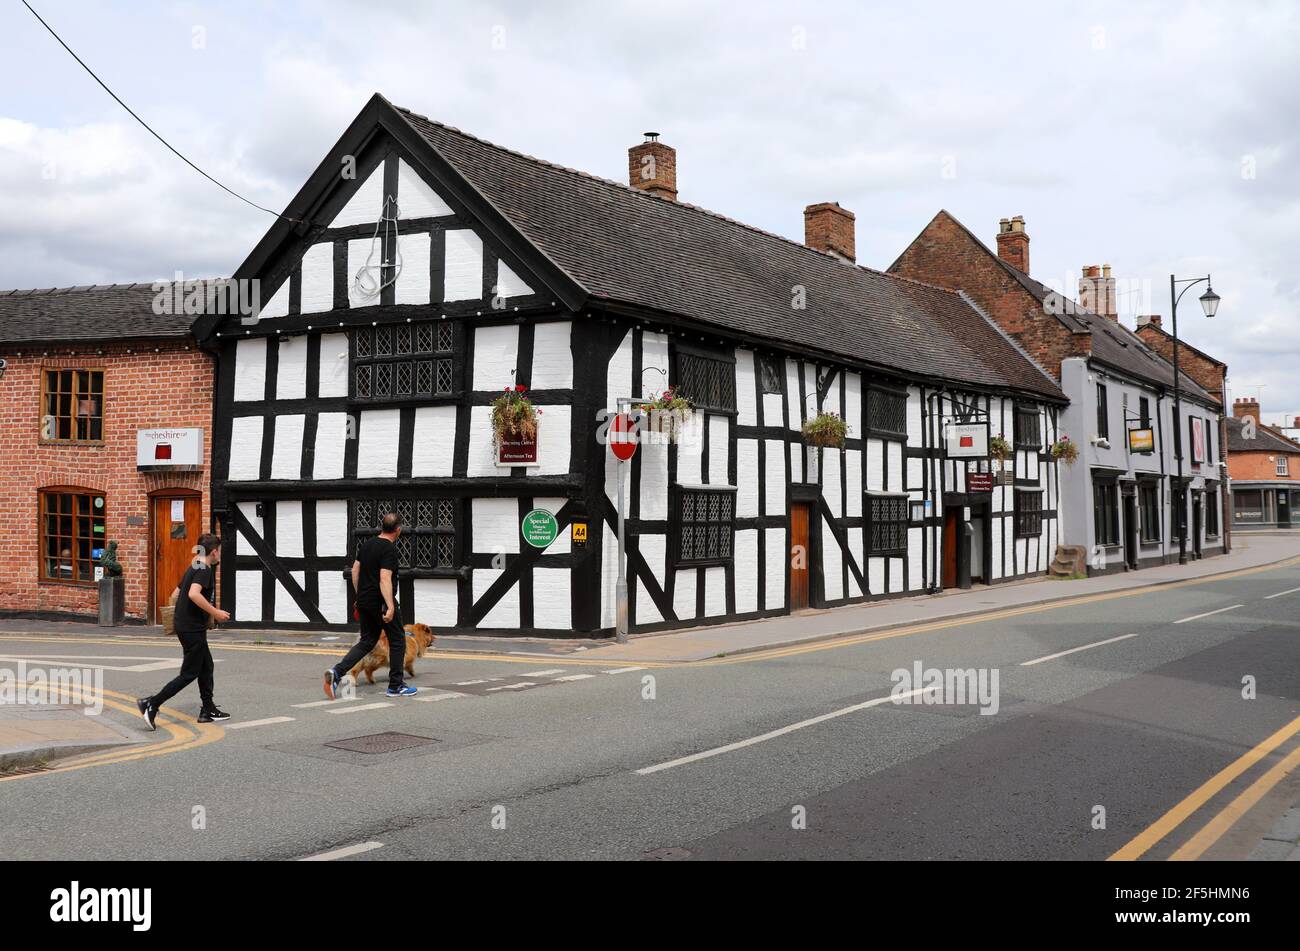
89 312
627 246
1266 439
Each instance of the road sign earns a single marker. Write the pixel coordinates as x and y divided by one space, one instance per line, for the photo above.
623 437
539 528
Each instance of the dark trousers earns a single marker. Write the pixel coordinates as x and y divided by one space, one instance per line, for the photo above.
197 665
372 625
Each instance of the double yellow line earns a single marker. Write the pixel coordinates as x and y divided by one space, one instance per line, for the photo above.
181 736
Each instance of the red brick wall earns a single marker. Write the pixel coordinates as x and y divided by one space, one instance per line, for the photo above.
1257 466
143 389
945 254
1210 376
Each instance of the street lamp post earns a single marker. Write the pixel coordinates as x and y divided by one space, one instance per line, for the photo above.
1210 304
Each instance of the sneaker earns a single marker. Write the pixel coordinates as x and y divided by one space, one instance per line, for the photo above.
331 682
403 691
211 714
148 711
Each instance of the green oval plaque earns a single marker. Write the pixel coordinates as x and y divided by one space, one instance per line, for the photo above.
539 528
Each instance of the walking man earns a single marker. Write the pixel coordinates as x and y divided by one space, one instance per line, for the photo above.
194 608
374 575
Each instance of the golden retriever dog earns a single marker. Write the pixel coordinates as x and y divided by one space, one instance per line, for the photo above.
419 640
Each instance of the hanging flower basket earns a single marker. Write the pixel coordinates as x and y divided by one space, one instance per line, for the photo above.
514 417
999 448
826 431
667 414
1065 450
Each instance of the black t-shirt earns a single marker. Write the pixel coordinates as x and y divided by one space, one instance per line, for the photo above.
375 554
189 617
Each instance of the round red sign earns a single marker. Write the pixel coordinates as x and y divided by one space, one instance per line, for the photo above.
623 437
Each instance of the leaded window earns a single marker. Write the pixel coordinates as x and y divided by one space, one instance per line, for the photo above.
428 539
1029 514
403 362
886 412
707 382
1028 427
705 525
771 375
887 529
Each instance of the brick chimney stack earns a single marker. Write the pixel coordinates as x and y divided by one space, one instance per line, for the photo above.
1245 406
828 227
1152 319
1013 242
652 167
1097 291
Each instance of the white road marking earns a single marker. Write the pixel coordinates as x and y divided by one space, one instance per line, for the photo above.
562 680
1270 597
324 703
248 723
86 660
526 683
344 852
449 695
1197 617
813 721
622 670
364 706
470 683
543 673
1075 650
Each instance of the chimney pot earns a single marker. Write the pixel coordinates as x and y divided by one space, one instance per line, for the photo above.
652 167
829 228
1097 291
1013 242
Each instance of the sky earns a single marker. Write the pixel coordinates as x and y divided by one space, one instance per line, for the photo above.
1158 138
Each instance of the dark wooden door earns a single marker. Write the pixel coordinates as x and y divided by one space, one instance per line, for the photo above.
176 527
800 556
951 522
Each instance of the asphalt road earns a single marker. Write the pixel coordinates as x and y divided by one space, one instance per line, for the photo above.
798 753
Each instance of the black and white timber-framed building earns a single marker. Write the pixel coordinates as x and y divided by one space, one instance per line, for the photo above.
335 405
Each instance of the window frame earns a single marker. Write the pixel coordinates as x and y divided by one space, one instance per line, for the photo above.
1210 504
43 514
1017 427
76 394
680 523
373 359
774 364
1101 507
1103 412
412 531
898 397
1023 516
1282 467
683 355
1147 512
870 521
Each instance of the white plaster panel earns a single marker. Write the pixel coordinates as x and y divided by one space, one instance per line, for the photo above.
875 465
552 604
997 544
332 596
853 404
654 480
331 527
331 441
317 279
715 591
690 451
496 525
719 450
334 365
774 477
463 277
552 356
796 461
795 420
747 478
378 443
415 199
895 450
553 435
436 602
291 369
746 403
915 473
245 448
249 510
896 582
278 305
774 563
773 409
365 253
506 611
482 457
286 608
496 353
833 562
412 285
435 441
248 595
684 593
509 284
853 477
914 428
250 369
876 575
288 529
746 553
366 203
831 491
915 558
286 456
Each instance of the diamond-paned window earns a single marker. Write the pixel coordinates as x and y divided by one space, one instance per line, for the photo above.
886 412
887 524
403 362
706 382
706 525
428 538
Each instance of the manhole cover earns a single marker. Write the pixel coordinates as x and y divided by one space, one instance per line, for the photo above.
381 743
667 855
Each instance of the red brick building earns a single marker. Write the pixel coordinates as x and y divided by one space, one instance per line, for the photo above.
104 436
1264 466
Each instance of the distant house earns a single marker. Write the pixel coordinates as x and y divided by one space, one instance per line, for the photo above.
1121 501
421 271
1265 469
105 435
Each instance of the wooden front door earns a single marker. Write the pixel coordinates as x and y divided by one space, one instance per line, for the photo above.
951 521
177 523
800 556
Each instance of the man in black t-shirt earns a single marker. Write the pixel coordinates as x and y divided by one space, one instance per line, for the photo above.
194 607
374 576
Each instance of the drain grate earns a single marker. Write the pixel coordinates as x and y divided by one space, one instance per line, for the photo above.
381 743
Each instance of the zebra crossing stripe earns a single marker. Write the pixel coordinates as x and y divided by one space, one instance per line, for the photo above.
561 680
622 670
